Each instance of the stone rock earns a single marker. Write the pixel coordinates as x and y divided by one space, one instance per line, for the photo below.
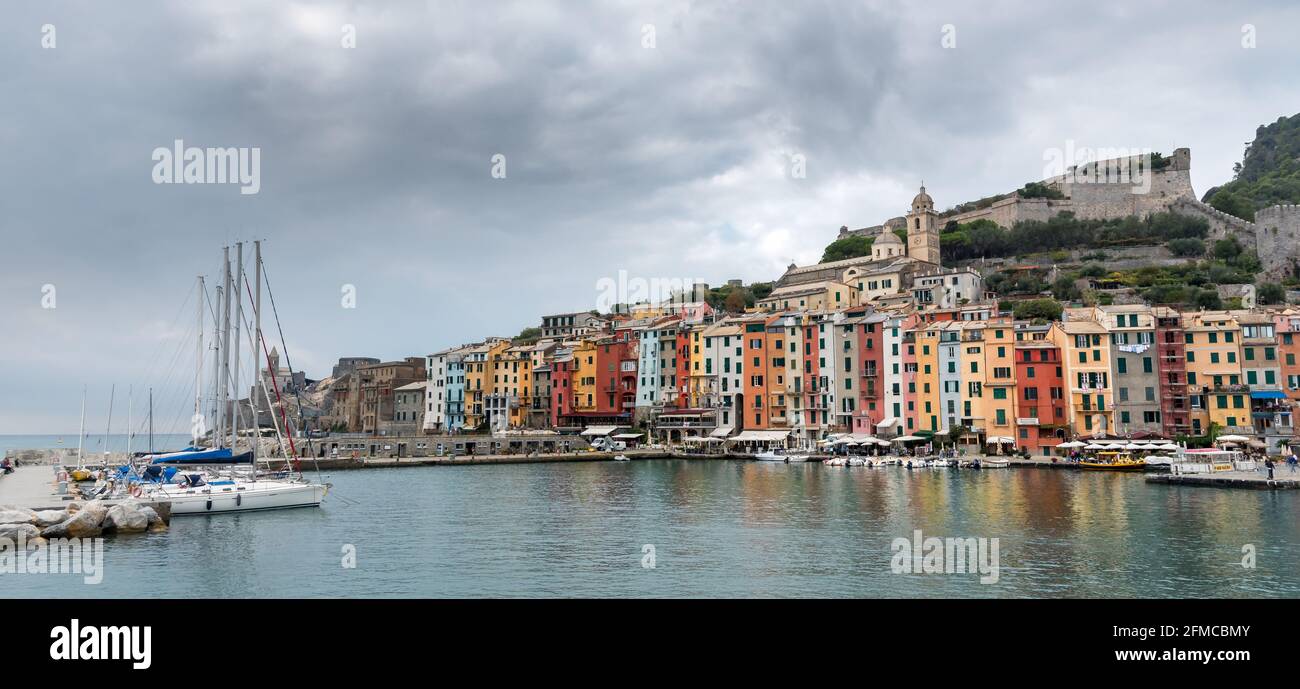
46 518
59 530
15 531
16 515
125 518
152 515
86 523
74 506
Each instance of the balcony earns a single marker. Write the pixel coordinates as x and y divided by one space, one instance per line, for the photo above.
1231 389
673 422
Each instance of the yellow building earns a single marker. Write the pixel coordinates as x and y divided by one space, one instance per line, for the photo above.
828 294
478 361
1214 376
930 414
584 376
984 380
512 383
1085 364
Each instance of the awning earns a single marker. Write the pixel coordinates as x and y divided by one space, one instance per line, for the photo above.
721 432
888 421
1267 395
627 436
761 436
599 430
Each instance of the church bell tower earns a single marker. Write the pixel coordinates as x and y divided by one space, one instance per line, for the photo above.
923 229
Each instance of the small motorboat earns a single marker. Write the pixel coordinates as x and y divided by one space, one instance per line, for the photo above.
995 463
620 458
779 456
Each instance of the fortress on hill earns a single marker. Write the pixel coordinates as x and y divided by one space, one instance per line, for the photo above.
1091 192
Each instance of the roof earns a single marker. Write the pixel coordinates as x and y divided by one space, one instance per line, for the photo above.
761 436
415 386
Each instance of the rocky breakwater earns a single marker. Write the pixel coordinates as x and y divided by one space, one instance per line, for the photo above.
80 520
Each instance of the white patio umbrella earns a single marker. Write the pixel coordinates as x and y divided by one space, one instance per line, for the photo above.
1095 446
907 439
1167 446
1071 444
1231 439
1135 446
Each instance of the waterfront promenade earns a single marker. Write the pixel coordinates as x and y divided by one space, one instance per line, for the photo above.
31 486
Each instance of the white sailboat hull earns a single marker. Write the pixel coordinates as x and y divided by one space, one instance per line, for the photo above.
240 497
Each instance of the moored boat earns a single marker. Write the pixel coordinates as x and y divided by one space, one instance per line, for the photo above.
779 455
1113 461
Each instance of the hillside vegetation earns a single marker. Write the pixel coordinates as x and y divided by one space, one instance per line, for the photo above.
1268 174
985 239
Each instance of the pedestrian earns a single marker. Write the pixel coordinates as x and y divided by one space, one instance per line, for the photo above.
1291 463
1269 464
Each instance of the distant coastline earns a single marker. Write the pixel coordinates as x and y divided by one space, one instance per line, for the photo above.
116 442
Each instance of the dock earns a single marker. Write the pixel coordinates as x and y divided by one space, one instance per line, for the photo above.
32 487
1283 479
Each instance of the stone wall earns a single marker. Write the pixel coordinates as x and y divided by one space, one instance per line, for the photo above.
1277 239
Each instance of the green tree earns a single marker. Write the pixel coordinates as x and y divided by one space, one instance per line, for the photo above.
735 301
1093 270
1048 309
1227 249
847 247
1270 293
1208 299
1064 289
1186 246
529 334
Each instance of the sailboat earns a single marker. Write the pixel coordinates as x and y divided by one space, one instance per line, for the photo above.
189 479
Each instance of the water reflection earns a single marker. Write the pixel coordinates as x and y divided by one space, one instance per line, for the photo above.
719 528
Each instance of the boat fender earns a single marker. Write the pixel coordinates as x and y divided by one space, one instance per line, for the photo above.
209 506
239 500
135 491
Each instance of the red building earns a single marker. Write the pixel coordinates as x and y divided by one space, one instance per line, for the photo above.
1040 402
561 388
868 340
1171 349
616 367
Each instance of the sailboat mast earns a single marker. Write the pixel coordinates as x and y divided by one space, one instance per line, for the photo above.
257 322
130 402
150 420
198 370
216 368
239 316
225 348
109 427
81 435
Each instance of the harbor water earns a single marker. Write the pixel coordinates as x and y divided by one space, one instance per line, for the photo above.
712 528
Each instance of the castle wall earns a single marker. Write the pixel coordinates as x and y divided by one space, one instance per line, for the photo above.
1277 239
1008 212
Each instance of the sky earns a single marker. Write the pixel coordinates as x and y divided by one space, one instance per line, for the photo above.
431 173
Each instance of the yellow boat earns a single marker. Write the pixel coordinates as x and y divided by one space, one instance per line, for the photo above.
80 474
1113 461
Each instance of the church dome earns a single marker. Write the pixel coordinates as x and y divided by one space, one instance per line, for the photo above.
887 236
922 201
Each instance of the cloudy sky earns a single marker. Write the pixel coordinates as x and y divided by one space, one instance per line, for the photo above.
655 138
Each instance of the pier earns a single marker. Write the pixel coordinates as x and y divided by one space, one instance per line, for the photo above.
33 487
1257 480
